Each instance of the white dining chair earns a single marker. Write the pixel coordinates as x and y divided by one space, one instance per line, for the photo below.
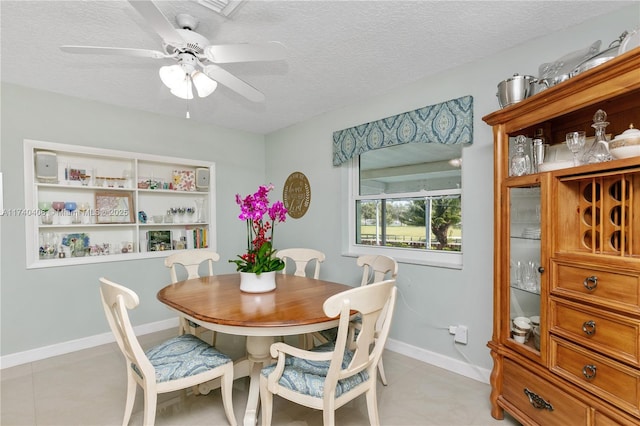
179 363
328 376
375 268
301 257
191 261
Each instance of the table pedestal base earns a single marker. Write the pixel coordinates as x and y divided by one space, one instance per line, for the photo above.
257 356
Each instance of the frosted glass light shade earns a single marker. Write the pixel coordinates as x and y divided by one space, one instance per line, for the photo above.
176 79
204 85
183 90
172 75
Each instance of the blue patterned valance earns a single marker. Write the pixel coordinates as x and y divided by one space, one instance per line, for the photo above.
449 122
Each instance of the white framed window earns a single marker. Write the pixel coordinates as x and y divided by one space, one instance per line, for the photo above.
405 201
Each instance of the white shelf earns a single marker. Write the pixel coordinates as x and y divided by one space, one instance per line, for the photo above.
165 172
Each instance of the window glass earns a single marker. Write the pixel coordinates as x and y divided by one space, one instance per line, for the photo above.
407 199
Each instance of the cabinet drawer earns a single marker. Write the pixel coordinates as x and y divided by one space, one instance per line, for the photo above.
604 420
611 334
610 380
615 289
530 394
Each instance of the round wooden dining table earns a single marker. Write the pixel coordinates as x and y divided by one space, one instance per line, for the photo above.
216 302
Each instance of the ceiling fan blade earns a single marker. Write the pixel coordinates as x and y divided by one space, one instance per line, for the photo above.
234 83
228 53
122 51
158 22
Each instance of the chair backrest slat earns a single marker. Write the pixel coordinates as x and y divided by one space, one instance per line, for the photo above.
376 268
302 257
191 261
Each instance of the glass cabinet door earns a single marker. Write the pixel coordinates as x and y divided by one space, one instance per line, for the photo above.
524 261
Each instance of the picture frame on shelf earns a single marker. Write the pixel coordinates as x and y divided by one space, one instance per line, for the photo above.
159 240
114 207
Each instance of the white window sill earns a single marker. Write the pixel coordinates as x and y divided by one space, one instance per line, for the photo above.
439 259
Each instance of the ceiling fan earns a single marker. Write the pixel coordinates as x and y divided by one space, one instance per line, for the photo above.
197 59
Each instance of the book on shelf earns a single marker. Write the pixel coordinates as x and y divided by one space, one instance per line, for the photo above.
198 238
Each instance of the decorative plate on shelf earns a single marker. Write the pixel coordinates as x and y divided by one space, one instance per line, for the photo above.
184 180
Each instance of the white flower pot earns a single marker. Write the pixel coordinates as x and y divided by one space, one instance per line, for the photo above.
257 283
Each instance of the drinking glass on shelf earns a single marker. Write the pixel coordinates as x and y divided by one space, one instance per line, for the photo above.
190 212
58 206
83 208
181 212
71 207
575 143
45 207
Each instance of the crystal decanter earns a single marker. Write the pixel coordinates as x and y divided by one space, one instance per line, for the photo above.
599 150
520 162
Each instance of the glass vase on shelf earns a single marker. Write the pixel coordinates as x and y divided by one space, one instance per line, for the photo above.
598 152
199 210
520 161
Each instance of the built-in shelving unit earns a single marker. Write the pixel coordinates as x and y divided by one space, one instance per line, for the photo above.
89 205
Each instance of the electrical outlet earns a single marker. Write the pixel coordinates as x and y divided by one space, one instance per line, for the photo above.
452 329
461 334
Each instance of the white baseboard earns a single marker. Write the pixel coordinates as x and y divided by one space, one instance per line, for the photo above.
450 364
44 352
433 358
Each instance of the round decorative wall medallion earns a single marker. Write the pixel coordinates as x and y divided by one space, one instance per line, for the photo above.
296 195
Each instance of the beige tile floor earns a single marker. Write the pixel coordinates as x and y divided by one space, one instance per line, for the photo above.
88 388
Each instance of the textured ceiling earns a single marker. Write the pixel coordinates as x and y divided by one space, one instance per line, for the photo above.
338 52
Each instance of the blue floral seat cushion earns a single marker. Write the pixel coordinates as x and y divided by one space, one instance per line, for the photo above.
183 356
307 377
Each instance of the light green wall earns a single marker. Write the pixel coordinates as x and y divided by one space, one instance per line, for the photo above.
430 298
42 307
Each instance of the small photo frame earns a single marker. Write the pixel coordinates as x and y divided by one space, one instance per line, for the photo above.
114 207
159 240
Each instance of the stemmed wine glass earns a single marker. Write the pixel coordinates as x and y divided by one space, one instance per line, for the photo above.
575 143
181 213
45 206
83 208
71 206
58 206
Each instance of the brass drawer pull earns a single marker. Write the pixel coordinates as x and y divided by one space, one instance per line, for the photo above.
589 371
537 401
590 283
589 327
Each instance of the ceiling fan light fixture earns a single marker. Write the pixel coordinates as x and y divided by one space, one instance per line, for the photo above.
183 90
204 85
172 75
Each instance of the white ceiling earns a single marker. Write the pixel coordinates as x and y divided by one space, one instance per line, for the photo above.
339 52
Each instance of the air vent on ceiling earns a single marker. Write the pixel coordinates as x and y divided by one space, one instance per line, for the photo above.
222 7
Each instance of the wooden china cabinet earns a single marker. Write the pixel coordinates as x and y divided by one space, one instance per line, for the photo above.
567 254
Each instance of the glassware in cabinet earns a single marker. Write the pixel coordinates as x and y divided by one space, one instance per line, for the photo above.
525 264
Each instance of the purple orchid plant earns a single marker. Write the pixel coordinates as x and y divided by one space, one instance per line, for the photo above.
261 218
